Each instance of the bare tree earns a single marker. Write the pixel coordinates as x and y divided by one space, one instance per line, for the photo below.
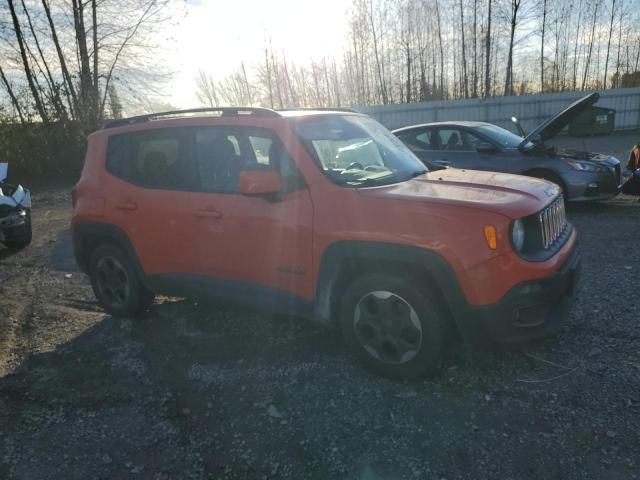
487 56
206 91
544 24
68 84
591 42
465 79
475 48
508 83
12 96
44 116
575 49
619 46
440 47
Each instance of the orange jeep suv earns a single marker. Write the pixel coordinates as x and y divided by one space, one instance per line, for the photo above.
326 215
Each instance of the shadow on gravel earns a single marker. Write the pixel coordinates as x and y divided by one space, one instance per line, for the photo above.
8 252
211 390
131 391
61 257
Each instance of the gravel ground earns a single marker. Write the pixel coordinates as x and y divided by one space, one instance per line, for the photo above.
212 391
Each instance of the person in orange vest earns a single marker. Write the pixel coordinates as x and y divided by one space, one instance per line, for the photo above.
632 185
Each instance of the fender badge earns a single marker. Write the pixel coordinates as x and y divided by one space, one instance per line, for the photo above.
550 192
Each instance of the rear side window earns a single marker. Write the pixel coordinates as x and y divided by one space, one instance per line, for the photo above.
161 159
419 141
117 154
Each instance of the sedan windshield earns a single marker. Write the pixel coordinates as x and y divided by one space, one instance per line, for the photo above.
503 137
357 151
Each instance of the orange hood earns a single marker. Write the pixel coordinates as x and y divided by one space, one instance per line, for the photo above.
514 196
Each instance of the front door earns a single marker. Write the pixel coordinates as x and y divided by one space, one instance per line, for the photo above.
458 148
255 240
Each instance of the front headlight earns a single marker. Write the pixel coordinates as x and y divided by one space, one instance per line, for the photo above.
517 235
586 166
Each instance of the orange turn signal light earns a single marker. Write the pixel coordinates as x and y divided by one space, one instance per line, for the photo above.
491 236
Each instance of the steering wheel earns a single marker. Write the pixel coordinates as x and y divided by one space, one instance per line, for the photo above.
355 165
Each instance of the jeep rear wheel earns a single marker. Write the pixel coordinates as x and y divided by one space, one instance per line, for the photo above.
116 284
395 329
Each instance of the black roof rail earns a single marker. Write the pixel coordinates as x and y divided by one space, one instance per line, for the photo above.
224 111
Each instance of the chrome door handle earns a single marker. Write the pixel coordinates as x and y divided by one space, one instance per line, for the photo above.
443 162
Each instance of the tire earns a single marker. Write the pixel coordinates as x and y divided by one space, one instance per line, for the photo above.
21 236
116 284
395 329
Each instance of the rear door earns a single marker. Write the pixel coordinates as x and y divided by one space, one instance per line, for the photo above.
458 148
256 240
152 182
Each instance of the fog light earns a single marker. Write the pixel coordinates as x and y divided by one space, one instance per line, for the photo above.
592 189
531 316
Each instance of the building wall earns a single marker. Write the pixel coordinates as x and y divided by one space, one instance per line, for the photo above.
530 109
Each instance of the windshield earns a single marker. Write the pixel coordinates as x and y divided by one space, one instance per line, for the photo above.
357 151
503 137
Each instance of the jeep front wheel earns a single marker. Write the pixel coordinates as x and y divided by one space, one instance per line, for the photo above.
116 284
395 329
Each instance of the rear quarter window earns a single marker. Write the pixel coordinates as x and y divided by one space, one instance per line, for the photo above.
161 159
117 153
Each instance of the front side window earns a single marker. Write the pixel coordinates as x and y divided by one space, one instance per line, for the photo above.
456 140
218 158
357 151
223 152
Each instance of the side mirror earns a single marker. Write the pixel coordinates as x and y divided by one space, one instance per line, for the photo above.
485 148
260 182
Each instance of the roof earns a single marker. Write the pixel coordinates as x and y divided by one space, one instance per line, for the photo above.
223 112
304 112
457 123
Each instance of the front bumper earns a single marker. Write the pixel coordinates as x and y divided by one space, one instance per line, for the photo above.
590 187
12 220
529 311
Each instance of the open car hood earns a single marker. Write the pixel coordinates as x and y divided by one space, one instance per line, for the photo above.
552 126
3 171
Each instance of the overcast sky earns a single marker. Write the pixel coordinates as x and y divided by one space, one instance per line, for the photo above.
216 35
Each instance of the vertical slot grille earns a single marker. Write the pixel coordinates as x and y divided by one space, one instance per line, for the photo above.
553 222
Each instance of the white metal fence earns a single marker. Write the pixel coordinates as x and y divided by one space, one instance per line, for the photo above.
530 109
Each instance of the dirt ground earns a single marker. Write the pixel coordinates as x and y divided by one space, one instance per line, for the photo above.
212 391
